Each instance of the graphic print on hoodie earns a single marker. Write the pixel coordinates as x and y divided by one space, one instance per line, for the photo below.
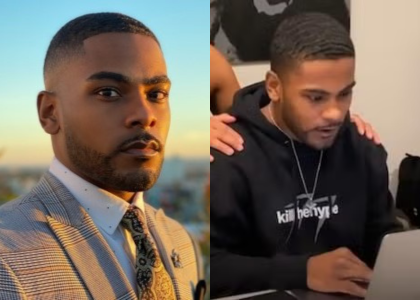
257 242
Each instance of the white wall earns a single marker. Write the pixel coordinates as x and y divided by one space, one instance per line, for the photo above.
387 38
251 73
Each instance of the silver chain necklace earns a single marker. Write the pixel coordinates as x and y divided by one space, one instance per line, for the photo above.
309 196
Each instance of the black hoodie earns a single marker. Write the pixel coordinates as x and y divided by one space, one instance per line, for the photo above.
256 243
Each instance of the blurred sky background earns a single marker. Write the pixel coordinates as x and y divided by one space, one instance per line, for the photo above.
26 28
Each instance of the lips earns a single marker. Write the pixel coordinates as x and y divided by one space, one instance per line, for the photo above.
327 132
142 149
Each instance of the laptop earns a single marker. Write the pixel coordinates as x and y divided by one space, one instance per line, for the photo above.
397 269
396 275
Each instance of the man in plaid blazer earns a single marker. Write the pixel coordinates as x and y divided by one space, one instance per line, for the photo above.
106 108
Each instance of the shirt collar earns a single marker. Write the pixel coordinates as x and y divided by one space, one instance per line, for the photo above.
105 209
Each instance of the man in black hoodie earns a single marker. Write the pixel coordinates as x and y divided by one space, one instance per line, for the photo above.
306 203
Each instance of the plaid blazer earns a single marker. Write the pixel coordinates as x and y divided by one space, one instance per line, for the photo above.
51 249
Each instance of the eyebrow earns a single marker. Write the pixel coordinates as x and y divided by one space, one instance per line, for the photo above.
121 78
323 92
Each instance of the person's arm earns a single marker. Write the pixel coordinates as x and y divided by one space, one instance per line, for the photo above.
231 229
227 141
223 83
234 271
365 128
381 217
223 137
10 287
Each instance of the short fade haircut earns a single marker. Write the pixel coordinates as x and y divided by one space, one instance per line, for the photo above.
309 36
68 41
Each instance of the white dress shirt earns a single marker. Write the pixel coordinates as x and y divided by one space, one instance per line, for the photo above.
106 211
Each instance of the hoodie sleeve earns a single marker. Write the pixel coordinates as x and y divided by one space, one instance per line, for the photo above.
231 230
381 218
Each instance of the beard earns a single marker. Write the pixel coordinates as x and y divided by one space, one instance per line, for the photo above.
311 137
101 171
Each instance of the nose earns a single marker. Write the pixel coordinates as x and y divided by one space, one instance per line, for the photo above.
333 111
140 113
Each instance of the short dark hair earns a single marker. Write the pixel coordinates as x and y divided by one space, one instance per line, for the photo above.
309 36
68 41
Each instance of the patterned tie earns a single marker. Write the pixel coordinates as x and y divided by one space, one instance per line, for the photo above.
153 281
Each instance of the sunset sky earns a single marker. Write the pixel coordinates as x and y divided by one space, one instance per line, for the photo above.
26 28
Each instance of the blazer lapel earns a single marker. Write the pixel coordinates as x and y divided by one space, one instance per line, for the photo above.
171 256
156 225
86 247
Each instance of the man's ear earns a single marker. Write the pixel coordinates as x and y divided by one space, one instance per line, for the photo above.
48 112
273 86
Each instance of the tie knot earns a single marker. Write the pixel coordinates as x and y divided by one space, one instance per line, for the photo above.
134 218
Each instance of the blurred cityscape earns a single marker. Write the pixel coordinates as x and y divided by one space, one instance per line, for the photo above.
182 191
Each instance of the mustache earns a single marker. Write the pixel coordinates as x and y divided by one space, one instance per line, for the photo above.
143 137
